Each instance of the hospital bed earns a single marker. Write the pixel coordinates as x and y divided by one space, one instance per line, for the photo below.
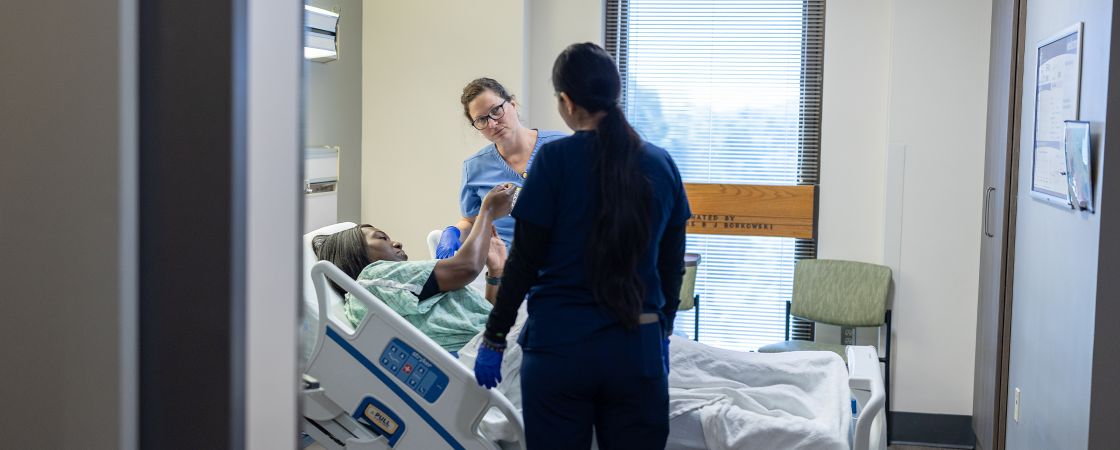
386 385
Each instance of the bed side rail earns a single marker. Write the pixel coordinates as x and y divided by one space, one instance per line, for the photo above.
866 383
323 270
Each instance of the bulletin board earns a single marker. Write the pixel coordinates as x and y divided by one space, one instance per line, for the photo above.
1057 95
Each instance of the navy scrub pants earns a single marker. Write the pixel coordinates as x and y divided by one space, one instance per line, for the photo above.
614 381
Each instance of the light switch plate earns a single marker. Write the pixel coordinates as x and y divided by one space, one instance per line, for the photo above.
1015 414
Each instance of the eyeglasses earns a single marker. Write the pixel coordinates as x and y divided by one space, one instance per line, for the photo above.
495 113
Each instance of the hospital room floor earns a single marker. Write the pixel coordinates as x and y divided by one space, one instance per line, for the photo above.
893 447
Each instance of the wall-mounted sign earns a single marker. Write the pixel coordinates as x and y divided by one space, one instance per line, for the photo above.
752 210
1056 96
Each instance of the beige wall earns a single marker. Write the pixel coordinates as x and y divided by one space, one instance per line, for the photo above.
925 221
417 56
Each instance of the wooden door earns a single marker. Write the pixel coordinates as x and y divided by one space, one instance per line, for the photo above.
996 258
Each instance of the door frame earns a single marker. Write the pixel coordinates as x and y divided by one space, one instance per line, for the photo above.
219 202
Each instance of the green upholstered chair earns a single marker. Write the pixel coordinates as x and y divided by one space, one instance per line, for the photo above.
844 293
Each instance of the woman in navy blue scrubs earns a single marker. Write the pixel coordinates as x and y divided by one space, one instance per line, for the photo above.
599 241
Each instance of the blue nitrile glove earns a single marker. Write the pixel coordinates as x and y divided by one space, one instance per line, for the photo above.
448 243
488 365
665 353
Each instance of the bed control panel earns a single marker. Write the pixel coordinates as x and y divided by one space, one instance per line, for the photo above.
414 370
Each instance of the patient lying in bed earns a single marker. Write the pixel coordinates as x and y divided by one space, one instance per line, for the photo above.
431 295
719 399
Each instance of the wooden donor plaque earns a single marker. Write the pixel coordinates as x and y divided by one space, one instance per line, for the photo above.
753 210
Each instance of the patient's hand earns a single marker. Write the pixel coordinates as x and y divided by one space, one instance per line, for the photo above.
499 201
496 256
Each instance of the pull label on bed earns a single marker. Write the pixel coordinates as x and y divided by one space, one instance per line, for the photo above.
413 370
380 420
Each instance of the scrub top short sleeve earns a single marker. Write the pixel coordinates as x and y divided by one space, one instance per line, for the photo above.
469 201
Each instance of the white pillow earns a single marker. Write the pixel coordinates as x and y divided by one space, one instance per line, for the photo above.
309 323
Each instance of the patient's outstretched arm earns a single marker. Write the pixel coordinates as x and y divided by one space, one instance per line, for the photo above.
458 271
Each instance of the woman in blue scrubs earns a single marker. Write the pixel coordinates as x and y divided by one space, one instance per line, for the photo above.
600 239
493 111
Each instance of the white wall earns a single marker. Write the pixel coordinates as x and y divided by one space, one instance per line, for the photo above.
938 110
416 58
935 90
856 69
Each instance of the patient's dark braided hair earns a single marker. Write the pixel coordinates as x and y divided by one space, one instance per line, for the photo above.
345 249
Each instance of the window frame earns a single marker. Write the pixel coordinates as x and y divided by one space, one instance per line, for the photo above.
616 41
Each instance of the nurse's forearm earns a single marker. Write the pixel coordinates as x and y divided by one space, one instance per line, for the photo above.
464 225
492 289
495 269
520 274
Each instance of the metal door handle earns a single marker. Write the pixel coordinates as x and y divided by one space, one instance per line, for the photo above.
987 207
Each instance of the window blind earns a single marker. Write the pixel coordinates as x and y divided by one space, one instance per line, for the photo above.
732 89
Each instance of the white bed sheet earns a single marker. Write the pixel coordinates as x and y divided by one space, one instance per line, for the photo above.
723 399
797 400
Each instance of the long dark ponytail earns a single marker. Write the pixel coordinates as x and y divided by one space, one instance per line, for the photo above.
620 237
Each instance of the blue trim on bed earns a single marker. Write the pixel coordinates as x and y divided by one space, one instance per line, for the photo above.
396 389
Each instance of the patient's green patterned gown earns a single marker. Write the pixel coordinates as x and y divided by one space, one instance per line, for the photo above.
449 318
